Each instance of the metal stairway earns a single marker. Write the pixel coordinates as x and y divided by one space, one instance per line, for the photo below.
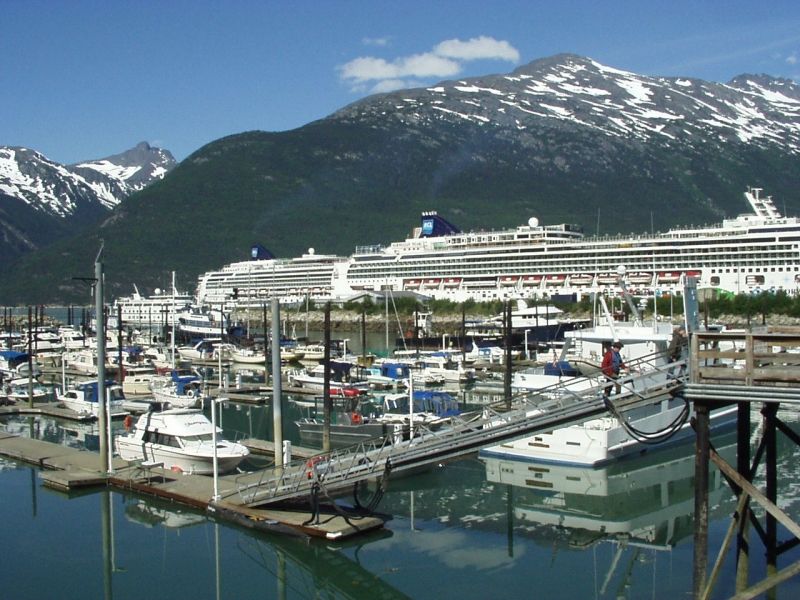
340 469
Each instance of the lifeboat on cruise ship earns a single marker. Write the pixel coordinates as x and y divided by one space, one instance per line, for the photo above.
693 274
452 282
531 280
607 278
641 278
411 284
669 277
508 280
554 279
431 283
581 279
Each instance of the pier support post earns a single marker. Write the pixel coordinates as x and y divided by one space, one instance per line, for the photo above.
743 467
771 483
326 382
277 412
102 416
507 371
701 459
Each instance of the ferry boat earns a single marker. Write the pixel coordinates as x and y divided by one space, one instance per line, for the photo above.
752 252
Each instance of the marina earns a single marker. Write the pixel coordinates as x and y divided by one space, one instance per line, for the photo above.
455 530
306 495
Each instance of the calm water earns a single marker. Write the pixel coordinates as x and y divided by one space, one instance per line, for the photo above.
468 529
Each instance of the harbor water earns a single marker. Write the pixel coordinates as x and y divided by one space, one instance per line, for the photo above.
467 529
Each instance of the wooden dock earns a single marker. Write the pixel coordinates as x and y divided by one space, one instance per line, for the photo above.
744 368
70 469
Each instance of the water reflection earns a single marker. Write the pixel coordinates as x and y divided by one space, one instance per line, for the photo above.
647 501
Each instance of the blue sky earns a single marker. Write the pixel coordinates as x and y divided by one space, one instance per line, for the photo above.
83 79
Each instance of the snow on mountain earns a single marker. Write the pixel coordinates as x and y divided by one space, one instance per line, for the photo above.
575 91
47 186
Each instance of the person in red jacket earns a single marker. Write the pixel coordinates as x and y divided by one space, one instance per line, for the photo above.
611 366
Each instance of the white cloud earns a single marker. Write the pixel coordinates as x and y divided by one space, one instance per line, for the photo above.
445 60
482 47
366 68
792 58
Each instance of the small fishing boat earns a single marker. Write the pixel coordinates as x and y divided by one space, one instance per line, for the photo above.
83 399
17 390
179 391
181 440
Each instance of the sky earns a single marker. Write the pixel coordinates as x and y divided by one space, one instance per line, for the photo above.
83 79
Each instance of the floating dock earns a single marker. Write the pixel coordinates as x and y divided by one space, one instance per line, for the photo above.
70 469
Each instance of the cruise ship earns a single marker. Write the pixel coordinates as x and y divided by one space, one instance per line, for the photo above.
153 310
756 251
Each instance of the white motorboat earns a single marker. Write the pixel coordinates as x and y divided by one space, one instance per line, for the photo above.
180 440
599 441
205 349
17 390
83 399
179 391
13 363
314 380
247 356
85 361
310 352
195 321
441 366
138 380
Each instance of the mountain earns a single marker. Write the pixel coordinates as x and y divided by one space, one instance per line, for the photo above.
42 201
564 139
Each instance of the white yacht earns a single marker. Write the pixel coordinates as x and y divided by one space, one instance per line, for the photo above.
604 439
83 399
180 440
749 253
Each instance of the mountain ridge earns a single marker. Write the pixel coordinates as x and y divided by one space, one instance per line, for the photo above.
563 138
44 200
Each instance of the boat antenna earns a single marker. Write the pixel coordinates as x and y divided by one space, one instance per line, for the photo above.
100 252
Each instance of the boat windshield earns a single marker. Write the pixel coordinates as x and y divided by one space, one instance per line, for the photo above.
201 437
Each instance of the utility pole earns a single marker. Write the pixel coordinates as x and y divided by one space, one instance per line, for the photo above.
102 417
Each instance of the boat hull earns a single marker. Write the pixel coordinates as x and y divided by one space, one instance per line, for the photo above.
132 449
601 441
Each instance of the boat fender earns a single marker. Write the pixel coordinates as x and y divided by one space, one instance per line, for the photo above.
128 422
355 418
311 465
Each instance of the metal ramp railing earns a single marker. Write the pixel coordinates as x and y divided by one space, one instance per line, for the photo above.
521 414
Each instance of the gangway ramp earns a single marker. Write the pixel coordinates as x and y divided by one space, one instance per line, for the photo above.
339 470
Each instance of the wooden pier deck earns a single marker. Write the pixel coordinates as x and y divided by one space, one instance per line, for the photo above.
69 469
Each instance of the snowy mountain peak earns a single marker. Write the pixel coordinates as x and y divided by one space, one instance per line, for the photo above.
44 185
567 90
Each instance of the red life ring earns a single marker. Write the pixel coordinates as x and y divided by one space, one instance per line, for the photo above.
355 418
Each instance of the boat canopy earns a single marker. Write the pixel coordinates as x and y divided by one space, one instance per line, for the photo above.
184 381
13 358
395 370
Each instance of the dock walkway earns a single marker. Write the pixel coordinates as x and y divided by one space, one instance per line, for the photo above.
69 469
